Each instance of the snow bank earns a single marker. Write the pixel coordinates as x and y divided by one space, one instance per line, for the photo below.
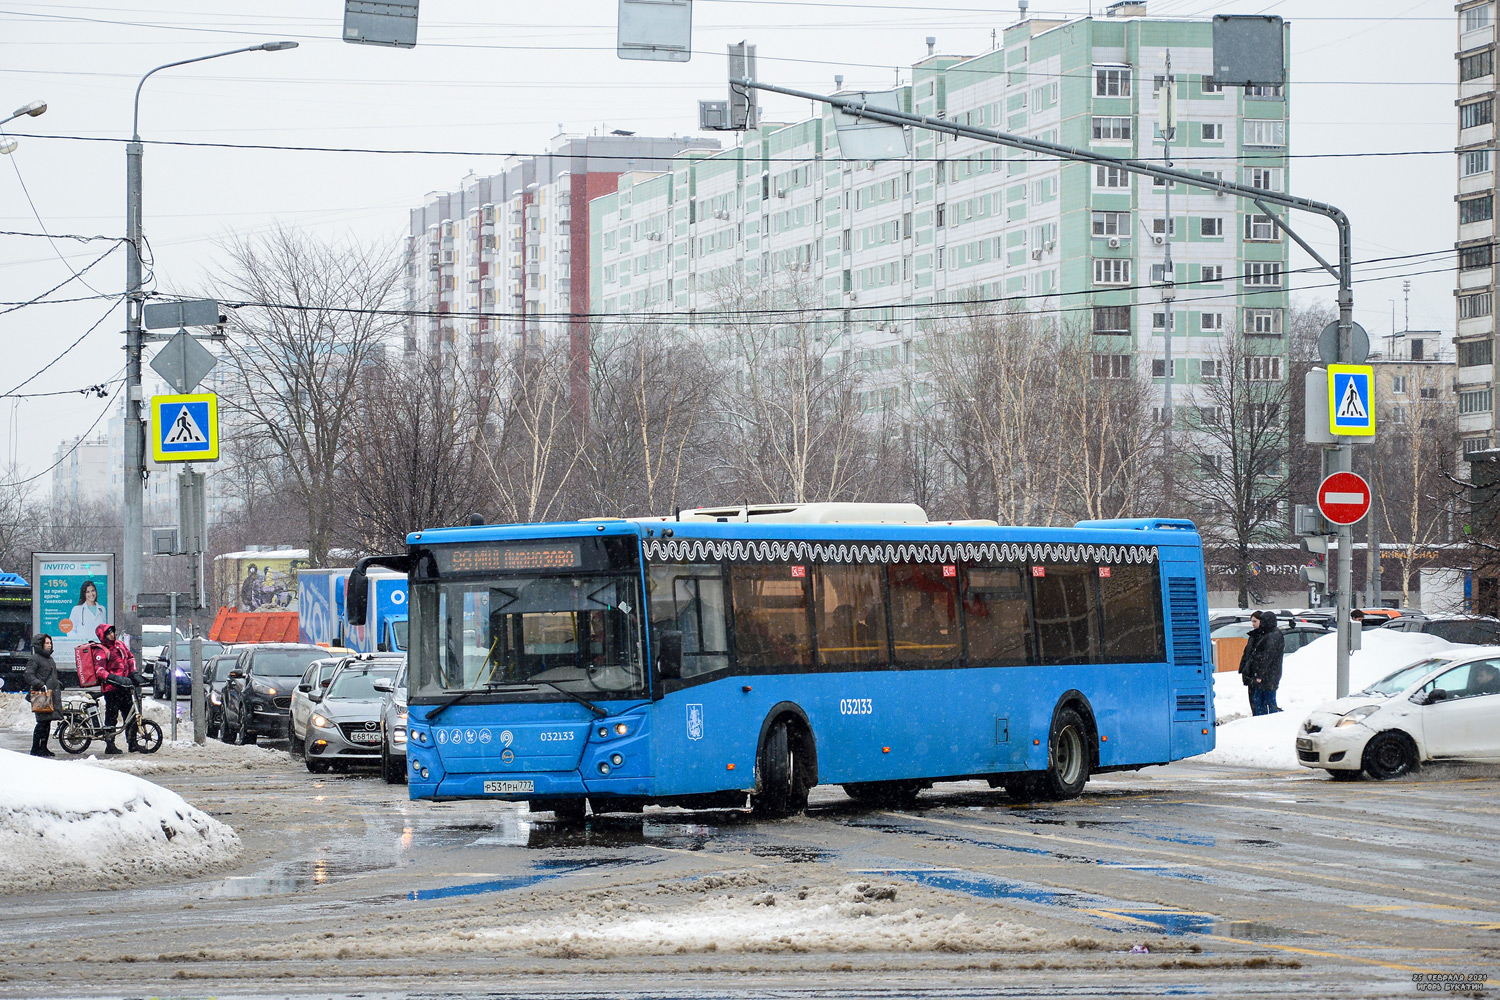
1308 679
69 824
15 712
852 918
186 757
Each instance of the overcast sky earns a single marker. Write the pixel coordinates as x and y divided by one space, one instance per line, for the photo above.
495 76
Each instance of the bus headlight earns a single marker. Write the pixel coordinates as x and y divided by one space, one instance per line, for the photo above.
603 767
617 760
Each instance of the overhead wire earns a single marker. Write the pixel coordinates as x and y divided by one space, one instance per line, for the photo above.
64 353
79 441
73 276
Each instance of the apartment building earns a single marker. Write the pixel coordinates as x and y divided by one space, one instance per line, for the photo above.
499 258
1476 226
964 220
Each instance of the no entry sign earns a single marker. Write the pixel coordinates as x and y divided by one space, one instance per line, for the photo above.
1344 498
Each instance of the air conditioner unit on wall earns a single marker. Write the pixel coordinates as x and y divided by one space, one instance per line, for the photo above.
1158 240
1114 242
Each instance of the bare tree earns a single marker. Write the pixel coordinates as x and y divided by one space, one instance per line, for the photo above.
312 317
1237 477
1109 443
651 420
533 447
1413 461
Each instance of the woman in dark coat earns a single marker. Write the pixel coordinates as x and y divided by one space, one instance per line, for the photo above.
41 672
1260 665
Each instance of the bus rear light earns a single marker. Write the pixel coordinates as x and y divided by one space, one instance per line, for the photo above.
730 767
885 749
1036 743
1104 739
1205 732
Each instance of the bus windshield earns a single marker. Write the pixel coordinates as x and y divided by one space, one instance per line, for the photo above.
580 633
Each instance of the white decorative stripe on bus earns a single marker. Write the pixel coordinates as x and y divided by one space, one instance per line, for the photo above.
779 551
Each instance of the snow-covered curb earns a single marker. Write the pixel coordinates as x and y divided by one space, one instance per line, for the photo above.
1307 680
70 824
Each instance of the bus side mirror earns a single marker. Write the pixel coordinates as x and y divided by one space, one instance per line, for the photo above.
669 653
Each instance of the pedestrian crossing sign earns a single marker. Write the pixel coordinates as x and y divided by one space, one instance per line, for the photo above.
1351 400
185 428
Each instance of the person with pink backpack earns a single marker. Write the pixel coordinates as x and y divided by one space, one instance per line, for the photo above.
118 678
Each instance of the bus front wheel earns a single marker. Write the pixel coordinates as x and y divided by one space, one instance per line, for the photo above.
781 791
1067 758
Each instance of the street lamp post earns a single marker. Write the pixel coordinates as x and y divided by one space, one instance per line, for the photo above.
135 430
31 110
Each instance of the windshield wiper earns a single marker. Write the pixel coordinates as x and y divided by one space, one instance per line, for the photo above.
600 712
432 716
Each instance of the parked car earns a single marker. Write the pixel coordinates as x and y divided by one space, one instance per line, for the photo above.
1445 707
258 692
215 675
393 727
184 670
345 723
315 678
1477 630
1296 634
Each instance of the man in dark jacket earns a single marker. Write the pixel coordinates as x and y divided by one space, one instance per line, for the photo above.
1260 666
117 691
41 672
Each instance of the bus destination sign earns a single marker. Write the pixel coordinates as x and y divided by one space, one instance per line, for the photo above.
503 558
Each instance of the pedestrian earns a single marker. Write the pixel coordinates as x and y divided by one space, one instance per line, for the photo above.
1357 617
118 681
42 675
1260 666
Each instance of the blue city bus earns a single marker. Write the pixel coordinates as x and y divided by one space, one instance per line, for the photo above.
726 653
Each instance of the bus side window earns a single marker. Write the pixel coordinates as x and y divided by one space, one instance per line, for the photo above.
997 618
770 618
851 616
1066 623
690 599
924 615
1130 599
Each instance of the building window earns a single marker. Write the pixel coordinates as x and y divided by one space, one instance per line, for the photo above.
1265 178
1111 366
1475 444
1112 271
938 260
1476 401
1159 274
1211 274
1263 272
1398 384
1209 463
1263 322
1112 128
1210 226
1110 177
1210 86
1211 131
1260 228
1265 91
1476 113
1209 371
1264 131
1472 67
1475 161
1111 224
1476 18
1470 306
1481 209
1266 369
1159 323
939 215
1210 416
1159 368
1112 82
1476 352
1474 258
1112 319
1211 321
1159 227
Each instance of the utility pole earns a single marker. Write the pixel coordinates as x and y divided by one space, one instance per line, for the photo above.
133 544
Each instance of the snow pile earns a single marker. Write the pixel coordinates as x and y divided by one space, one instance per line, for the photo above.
186 757
852 918
1308 679
15 711
67 824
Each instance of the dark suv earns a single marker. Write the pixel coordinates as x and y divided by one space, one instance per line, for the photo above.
258 692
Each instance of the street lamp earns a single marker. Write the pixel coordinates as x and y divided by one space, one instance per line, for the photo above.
33 109
135 431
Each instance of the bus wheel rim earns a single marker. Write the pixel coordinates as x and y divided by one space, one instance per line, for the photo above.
1069 756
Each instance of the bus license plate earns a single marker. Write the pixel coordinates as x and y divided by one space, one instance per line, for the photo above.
508 787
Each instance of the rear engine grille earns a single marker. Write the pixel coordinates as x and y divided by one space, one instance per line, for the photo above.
1192 704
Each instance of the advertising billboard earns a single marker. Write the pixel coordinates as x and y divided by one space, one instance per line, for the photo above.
71 594
259 579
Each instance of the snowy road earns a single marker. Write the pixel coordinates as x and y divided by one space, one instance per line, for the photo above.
1238 882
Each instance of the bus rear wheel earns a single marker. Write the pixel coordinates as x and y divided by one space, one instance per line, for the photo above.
781 790
1067 758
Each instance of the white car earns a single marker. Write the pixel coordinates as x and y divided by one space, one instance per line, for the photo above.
314 679
1446 707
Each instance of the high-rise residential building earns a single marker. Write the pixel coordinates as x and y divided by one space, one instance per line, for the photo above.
82 471
506 245
1476 225
965 220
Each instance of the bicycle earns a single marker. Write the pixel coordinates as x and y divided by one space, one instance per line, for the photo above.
82 721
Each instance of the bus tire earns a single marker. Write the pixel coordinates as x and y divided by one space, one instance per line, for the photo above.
781 789
1067 756
891 794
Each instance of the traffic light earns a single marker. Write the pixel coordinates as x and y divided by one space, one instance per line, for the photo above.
1308 523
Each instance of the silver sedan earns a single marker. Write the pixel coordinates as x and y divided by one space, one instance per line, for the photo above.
344 726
